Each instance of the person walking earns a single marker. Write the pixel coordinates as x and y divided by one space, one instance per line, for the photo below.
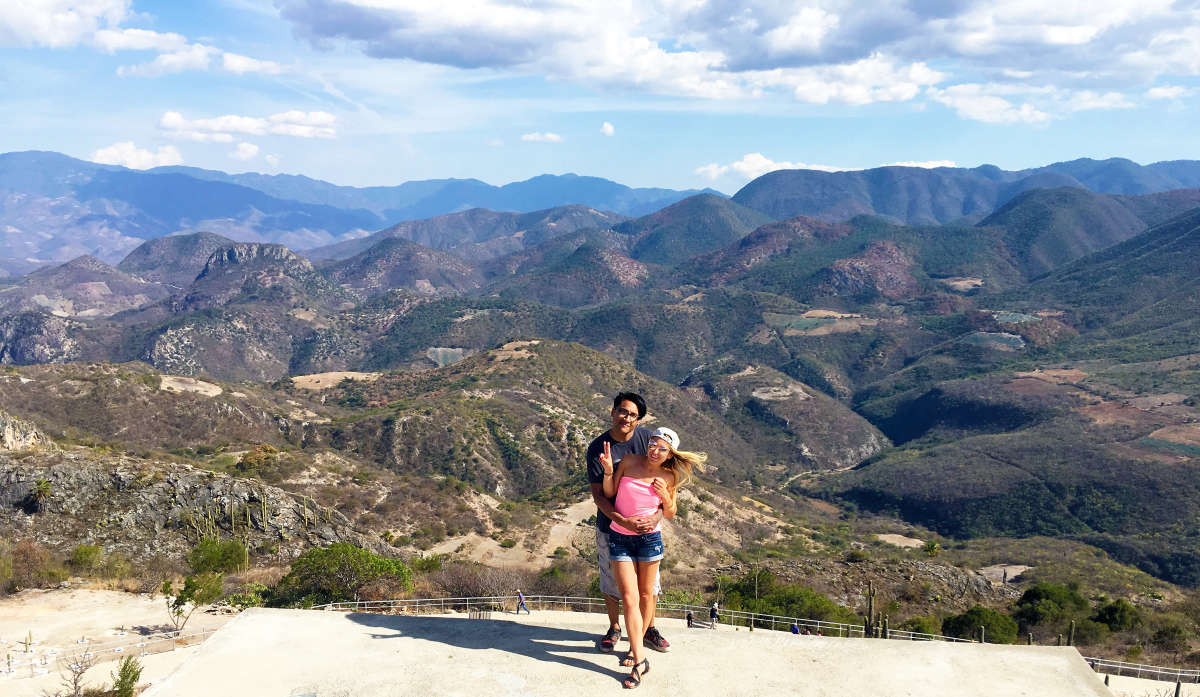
641 485
521 603
712 616
625 436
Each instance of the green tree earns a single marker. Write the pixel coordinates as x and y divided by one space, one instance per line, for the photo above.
336 573
213 555
197 590
931 548
1119 615
125 680
999 627
1047 603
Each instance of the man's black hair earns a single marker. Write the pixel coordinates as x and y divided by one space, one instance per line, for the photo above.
631 397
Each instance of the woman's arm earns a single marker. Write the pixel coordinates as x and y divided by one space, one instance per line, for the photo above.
612 474
665 488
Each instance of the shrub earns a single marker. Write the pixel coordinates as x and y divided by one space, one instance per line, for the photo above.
253 595
126 678
85 558
1119 615
335 573
214 555
921 624
1172 636
1090 633
999 627
855 556
197 590
1047 603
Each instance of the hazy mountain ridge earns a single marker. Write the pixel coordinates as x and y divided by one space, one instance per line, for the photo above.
919 196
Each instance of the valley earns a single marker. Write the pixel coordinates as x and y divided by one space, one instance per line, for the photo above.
920 392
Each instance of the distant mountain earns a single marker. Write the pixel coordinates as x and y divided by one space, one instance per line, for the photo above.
257 273
83 287
590 275
694 226
56 207
947 194
175 260
435 197
395 263
479 234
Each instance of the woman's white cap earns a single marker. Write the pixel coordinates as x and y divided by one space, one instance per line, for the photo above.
668 435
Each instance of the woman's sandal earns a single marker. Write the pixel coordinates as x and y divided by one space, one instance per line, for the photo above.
628 661
635 677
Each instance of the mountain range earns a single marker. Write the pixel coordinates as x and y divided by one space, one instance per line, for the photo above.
1026 368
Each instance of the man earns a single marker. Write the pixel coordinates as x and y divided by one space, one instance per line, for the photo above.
625 437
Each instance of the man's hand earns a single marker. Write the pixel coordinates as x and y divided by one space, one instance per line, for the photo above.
642 523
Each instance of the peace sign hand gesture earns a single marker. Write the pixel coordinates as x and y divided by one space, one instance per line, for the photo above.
606 459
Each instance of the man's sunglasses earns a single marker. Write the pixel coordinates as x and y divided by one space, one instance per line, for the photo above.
626 414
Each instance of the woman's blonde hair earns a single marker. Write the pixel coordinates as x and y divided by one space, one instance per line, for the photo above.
683 462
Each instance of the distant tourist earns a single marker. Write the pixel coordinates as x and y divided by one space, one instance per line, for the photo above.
521 603
642 485
691 619
712 616
795 628
624 437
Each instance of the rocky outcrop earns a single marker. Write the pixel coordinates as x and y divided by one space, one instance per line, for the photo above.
35 337
16 434
882 269
144 508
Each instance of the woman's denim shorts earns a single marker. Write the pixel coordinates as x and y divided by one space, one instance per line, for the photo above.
647 547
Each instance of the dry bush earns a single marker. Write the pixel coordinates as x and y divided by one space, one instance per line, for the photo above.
465 579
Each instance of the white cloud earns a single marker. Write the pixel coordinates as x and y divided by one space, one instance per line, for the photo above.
295 123
495 143
245 152
976 102
1085 100
1169 92
193 57
542 137
241 65
272 160
129 155
113 40
755 164
924 164
57 23
607 128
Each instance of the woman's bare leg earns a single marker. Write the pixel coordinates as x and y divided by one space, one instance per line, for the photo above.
647 571
627 582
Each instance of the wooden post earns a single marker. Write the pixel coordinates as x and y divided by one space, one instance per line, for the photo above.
982 634
1071 635
1029 639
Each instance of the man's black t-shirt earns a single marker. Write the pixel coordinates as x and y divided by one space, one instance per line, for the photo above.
636 444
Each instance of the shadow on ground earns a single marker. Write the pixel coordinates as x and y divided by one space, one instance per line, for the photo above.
552 644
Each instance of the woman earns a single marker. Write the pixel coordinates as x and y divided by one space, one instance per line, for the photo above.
642 484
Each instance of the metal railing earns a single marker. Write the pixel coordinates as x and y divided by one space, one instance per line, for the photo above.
36 662
737 618
1141 670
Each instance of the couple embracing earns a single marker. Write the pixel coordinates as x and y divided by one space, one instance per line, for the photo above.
634 474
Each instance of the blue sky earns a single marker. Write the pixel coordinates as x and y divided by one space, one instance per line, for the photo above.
673 93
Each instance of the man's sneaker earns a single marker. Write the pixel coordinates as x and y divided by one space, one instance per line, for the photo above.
654 640
609 642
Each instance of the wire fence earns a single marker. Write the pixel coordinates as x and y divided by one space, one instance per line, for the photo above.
30 660
482 607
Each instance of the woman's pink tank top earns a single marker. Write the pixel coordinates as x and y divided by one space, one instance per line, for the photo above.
635 498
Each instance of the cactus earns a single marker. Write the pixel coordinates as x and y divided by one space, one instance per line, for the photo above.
28 641
869 623
1029 639
982 634
887 630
